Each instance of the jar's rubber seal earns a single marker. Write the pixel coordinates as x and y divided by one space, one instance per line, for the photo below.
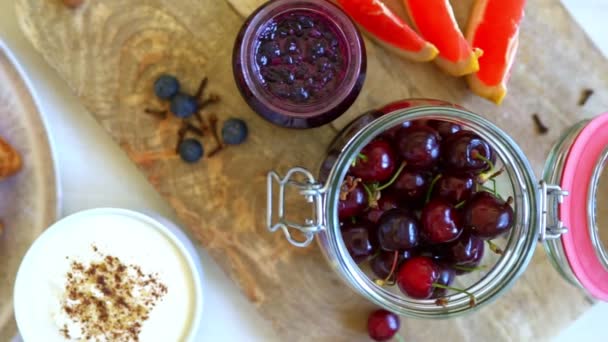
576 178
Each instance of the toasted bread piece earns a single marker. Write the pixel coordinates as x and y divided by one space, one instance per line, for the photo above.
10 160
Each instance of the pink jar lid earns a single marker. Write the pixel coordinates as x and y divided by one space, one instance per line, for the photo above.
577 175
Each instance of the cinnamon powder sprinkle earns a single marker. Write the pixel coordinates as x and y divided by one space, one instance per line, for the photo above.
108 299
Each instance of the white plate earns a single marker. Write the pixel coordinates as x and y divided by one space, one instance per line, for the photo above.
29 201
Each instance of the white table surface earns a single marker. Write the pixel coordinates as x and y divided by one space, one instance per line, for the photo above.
88 159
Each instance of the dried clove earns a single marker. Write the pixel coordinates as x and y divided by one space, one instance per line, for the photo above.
540 127
585 95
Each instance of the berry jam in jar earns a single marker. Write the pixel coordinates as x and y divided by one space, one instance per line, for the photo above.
299 64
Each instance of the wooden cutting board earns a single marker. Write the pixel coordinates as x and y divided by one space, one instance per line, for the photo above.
109 52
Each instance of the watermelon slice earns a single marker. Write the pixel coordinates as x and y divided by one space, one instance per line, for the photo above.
388 29
494 28
435 21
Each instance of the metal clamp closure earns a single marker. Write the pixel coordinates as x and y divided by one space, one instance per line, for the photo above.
312 192
548 192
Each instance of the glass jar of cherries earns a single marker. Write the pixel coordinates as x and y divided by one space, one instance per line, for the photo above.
429 210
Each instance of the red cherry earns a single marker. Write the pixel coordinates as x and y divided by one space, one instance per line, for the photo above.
445 278
382 325
411 187
444 128
357 239
354 200
376 162
391 133
441 222
454 188
386 202
397 230
465 254
465 151
416 277
382 264
487 216
418 146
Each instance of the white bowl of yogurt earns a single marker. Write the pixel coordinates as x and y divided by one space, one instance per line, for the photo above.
110 274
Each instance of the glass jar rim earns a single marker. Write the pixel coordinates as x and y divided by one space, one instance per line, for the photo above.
344 26
522 240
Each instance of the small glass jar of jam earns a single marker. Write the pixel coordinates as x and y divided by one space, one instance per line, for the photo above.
299 64
563 210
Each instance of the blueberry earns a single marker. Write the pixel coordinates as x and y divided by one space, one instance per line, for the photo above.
262 60
271 49
287 76
292 45
301 72
272 75
234 131
288 60
306 22
322 64
280 90
166 86
183 105
301 94
283 30
191 150
314 33
318 49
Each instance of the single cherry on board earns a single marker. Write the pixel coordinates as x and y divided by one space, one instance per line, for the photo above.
465 151
357 239
487 216
416 276
382 325
375 162
440 221
397 230
418 146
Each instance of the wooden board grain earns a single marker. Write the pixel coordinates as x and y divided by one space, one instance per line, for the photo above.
109 52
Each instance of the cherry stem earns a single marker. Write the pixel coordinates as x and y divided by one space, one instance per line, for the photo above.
472 298
469 269
375 254
494 247
399 338
353 219
490 174
359 156
477 155
393 179
459 205
388 277
371 196
430 190
385 281
484 177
